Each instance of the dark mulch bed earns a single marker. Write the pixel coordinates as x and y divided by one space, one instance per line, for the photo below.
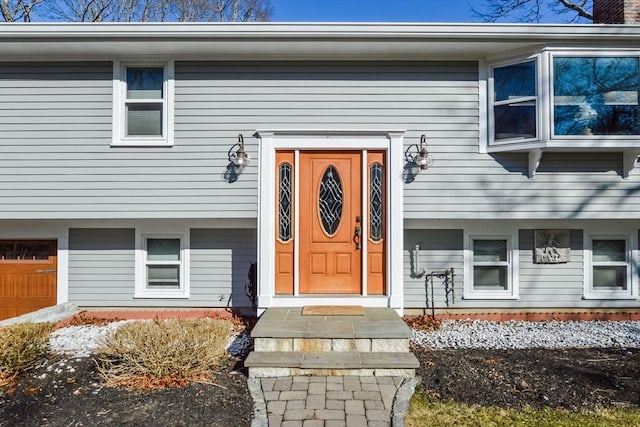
572 379
72 394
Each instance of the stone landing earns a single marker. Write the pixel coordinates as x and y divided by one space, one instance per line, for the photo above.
288 343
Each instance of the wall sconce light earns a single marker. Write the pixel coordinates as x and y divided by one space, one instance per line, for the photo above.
240 158
423 159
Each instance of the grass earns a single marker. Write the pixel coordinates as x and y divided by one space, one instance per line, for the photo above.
426 410
21 347
164 353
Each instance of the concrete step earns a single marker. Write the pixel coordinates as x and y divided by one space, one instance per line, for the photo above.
284 363
376 323
364 345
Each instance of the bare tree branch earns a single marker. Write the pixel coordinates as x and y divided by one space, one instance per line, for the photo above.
18 10
532 10
579 8
159 10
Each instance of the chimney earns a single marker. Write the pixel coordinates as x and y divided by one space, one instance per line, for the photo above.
616 11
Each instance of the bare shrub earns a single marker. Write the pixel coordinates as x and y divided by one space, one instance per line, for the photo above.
163 353
21 347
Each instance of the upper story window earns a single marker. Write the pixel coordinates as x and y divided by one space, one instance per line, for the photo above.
143 104
515 103
596 95
566 100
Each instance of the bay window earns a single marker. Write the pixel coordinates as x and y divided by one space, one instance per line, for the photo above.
595 96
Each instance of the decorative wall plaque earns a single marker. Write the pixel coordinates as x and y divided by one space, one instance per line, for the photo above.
552 246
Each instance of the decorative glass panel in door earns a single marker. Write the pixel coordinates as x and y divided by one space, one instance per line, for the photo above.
330 200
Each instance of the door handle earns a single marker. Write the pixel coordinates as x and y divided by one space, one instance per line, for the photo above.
356 237
46 271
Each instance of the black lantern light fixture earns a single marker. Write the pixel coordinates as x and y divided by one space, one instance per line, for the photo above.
423 159
240 158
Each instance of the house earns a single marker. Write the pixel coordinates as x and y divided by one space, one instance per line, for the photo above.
375 151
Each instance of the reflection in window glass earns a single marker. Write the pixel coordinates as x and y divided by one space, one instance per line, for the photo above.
515 81
609 250
515 120
596 96
515 101
610 265
144 119
489 250
163 249
10 250
144 83
490 265
163 263
490 278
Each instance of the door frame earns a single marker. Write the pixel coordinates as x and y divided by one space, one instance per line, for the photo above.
390 141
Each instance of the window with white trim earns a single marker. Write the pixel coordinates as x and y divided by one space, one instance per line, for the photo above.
610 267
143 104
515 101
565 98
162 267
490 271
595 95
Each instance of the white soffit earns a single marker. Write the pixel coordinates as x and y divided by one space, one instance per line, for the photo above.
300 41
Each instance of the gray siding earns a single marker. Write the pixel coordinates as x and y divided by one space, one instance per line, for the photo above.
466 185
101 266
439 250
551 285
540 285
56 160
220 261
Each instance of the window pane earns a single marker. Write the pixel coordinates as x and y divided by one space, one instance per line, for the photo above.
609 251
330 200
490 278
163 249
515 81
489 250
596 96
24 251
144 119
144 83
515 120
376 185
610 277
285 202
167 276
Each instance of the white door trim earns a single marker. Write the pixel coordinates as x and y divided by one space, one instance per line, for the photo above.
270 140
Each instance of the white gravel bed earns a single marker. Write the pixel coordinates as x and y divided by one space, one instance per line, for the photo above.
518 334
81 341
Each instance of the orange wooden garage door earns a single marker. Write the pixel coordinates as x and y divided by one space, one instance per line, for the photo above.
27 276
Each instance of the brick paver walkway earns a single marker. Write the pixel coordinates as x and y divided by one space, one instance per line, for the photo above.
326 401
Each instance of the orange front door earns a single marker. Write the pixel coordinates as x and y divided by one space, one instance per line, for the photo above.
330 222
28 279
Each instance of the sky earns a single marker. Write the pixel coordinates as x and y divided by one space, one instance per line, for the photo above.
381 11
373 11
